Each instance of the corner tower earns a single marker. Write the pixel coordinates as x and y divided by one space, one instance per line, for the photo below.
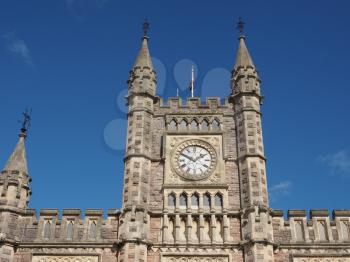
138 157
246 96
14 197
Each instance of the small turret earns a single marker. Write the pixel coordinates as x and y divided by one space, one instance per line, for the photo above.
244 77
142 77
14 178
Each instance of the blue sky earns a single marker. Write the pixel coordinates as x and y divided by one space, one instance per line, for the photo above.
69 60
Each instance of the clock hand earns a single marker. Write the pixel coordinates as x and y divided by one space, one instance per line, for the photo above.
188 157
200 156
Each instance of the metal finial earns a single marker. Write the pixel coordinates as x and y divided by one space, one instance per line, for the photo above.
145 27
240 25
26 120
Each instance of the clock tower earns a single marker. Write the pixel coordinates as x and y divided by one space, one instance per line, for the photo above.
195 183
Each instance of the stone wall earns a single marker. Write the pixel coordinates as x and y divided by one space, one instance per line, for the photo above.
317 237
72 226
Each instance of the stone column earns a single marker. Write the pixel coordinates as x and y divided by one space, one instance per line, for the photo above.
189 228
226 232
213 228
200 207
212 202
165 228
177 202
201 228
177 228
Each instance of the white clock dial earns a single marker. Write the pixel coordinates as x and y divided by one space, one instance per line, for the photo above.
194 160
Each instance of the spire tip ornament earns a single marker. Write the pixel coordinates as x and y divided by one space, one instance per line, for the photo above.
240 26
145 27
26 121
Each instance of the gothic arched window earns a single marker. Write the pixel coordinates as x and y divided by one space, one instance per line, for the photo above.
299 230
70 230
172 125
171 228
216 125
182 229
219 228
171 200
195 228
206 229
92 231
195 201
322 230
344 225
205 125
183 125
218 200
194 125
206 200
183 200
47 230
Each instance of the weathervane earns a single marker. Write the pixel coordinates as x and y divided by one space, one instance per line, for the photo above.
240 26
26 120
145 27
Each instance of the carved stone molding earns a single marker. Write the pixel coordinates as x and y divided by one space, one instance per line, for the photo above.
194 258
52 258
321 259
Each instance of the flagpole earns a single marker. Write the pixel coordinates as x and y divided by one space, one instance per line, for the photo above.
192 82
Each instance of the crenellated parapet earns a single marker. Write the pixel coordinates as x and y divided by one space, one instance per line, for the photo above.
191 103
69 226
316 228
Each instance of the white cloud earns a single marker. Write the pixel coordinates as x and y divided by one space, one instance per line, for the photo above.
338 163
19 48
280 189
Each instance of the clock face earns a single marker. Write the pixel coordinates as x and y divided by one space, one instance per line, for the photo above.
194 159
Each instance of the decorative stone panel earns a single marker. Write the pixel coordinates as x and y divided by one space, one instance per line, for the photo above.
194 259
51 258
321 259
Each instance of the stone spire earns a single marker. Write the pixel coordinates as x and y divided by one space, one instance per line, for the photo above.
243 58
18 160
142 77
14 178
144 58
244 77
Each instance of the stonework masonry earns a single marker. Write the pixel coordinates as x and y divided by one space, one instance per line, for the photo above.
195 189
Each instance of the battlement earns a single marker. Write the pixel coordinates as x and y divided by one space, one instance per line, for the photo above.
192 103
46 213
51 225
312 213
317 225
